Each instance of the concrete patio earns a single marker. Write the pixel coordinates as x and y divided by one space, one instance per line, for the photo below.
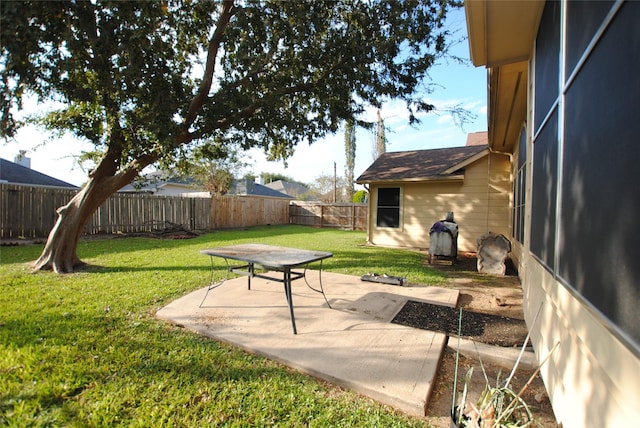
352 345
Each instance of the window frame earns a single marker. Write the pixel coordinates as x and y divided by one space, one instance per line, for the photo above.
520 189
397 208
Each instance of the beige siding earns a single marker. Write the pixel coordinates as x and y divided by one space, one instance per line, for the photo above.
479 205
590 365
592 378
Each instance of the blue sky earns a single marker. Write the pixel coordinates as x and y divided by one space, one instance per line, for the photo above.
454 84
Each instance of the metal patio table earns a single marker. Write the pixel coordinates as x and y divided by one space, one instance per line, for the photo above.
270 258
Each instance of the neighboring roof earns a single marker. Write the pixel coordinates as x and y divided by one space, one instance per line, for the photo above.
155 181
152 182
421 165
250 188
478 138
13 173
291 189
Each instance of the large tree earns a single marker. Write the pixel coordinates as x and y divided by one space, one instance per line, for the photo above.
147 82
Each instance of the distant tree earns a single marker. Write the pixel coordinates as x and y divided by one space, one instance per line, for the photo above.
350 150
270 177
309 195
360 197
148 81
381 140
215 167
325 184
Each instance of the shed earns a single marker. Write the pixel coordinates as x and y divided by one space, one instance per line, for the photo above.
411 190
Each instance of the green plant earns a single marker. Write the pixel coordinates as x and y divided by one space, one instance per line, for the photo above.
360 197
498 406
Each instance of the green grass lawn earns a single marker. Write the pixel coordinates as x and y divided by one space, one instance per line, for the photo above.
84 349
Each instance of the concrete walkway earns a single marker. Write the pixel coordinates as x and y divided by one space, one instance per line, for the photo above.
353 345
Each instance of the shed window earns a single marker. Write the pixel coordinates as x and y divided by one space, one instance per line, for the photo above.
388 210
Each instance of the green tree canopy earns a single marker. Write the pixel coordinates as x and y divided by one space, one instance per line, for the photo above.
149 81
269 177
215 171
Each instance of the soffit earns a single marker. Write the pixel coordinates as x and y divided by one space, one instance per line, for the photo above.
501 32
507 104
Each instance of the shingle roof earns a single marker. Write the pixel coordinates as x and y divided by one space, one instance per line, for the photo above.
17 174
155 180
248 187
418 165
291 189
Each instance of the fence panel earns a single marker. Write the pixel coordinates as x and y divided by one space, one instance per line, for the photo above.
246 211
134 213
343 216
30 212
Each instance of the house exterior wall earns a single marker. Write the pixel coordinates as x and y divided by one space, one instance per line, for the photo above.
480 203
592 378
580 280
176 189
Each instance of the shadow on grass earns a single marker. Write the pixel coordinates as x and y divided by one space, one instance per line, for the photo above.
117 358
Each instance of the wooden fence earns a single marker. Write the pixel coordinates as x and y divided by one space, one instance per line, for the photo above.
246 211
343 216
30 212
134 212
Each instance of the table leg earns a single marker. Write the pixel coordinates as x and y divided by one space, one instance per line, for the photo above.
211 283
288 294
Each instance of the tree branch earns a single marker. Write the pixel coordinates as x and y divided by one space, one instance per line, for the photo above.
250 109
228 10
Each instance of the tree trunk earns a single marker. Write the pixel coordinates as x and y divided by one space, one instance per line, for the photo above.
60 252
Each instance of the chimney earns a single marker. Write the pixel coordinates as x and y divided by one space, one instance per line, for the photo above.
22 160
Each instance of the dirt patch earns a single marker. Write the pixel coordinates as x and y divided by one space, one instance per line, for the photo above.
498 297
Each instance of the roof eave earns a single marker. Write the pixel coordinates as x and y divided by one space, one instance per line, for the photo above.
457 177
501 38
466 162
501 32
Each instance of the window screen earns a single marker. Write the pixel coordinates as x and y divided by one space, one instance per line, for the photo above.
585 19
599 227
388 211
547 65
544 192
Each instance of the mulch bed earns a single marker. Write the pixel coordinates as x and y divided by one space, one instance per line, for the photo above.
485 328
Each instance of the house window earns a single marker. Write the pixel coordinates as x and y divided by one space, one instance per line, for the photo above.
519 189
388 210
